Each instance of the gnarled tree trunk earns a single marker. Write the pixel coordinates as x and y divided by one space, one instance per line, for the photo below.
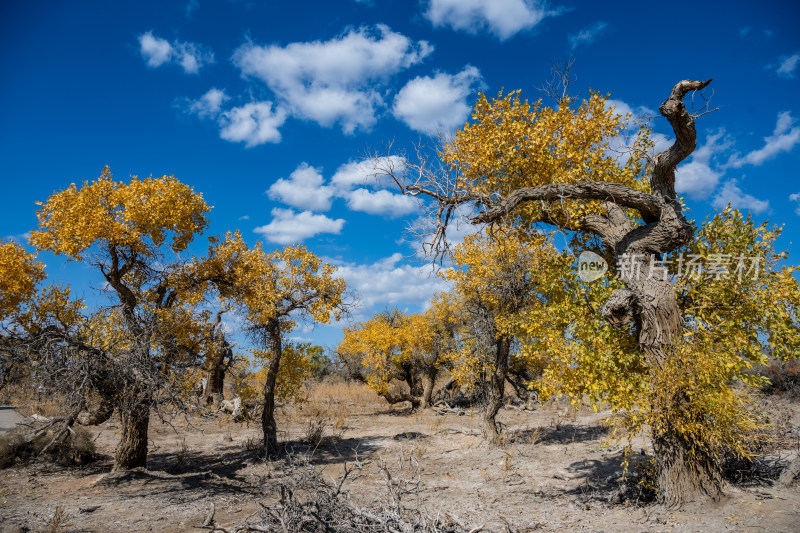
428 382
685 471
268 424
497 383
217 363
132 448
97 414
649 303
214 385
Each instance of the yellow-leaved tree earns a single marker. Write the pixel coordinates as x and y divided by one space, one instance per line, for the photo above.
502 280
128 232
272 290
393 346
521 165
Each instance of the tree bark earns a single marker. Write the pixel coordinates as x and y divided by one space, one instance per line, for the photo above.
685 471
217 363
497 383
268 424
650 304
215 383
428 382
96 415
132 448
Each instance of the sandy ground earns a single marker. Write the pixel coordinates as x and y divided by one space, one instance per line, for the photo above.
554 474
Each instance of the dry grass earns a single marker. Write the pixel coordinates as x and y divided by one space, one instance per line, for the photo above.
29 400
349 398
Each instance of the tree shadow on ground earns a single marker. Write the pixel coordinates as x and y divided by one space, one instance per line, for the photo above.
608 480
333 451
561 434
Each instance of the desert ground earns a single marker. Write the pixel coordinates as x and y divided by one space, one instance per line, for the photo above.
556 470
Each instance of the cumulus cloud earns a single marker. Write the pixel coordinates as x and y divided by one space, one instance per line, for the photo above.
210 104
787 65
253 124
696 178
388 282
783 139
358 183
587 35
503 18
380 203
366 172
303 189
430 104
334 81
290 227
738 199
157 51
637 113
796 198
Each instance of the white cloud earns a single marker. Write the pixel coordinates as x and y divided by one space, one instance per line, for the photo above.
696 178
796 198
503 18
303 189
381 203
355 182
388 282
253 124
733 195
210 104
366 172
783 139
430 104
289 227
788 65
335 81
638 113
587 35
157 51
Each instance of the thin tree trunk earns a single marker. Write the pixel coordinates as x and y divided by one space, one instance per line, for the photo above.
428 381
268 424
132 448
497 382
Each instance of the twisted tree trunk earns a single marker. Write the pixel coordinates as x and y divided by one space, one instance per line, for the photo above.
428 382
497 383
132 448
216 364
685 472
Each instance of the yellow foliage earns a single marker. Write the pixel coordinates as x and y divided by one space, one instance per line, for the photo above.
135 215
391 343
19 275
512 277
267 286
295 370
512 143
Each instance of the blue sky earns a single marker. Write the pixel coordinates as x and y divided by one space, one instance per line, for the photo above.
267 107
